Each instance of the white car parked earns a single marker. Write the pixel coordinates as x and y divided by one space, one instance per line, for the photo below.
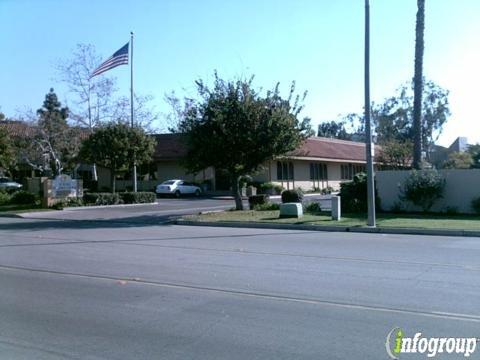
8 184
178 188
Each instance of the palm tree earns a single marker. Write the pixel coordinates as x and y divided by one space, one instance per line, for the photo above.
418 84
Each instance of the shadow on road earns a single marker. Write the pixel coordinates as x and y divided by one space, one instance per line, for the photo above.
45 224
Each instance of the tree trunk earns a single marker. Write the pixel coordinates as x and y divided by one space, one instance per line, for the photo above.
235 181
418 85
112 180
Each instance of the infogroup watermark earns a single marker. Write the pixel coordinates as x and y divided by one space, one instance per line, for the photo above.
397 343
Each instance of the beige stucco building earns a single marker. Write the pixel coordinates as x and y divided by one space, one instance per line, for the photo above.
318 163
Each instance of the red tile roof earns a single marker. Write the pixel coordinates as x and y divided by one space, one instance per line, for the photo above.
171 147
326 148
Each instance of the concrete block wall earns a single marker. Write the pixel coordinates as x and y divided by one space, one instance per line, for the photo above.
462 186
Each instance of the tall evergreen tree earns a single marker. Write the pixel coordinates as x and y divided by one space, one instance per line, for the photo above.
418 84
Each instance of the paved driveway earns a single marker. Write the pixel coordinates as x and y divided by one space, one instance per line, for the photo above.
162 211
112 290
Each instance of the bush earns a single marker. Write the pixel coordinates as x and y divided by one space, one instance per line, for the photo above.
23 197
312 208
295 196
353 195
138 197
327 190
5 198
257 200
422 188
267 207
102 199
270 187
476 205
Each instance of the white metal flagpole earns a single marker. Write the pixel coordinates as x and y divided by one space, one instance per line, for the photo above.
131 109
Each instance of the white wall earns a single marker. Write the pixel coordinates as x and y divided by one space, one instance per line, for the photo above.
461 187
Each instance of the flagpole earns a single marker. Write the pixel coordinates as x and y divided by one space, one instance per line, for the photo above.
131 109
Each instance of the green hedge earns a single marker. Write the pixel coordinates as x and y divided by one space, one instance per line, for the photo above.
258 200
119 198
353 195
292 196
5 197
23 197
102 199
138 197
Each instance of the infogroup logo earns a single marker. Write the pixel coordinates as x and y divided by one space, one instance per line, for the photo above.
397 343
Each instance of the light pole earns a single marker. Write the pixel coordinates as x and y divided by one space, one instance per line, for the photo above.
368 129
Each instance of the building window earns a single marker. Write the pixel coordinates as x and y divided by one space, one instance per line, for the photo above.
348 171
318 171
285 170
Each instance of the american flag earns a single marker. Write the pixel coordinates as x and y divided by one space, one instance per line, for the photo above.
118 58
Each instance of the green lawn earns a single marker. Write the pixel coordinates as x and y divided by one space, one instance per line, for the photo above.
415 221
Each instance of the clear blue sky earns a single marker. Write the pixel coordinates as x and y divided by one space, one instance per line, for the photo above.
318 43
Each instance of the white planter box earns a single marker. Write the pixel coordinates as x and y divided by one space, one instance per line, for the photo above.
291 210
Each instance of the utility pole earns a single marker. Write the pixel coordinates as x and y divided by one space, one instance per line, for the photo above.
368 141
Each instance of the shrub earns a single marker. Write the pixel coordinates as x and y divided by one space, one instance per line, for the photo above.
5 198
422 188
102 199
270 187
23 197
266 207
258 200
295 196
476 205
142 197
312 208
354 195
327 190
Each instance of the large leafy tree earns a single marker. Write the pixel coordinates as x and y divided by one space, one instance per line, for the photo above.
418 84
233 128
334 129
7 152
458 160
396 155
474 151
393 118
115 145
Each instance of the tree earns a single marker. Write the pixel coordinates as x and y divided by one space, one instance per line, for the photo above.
396 154
422 188
394 119
92 97
418 84
334 129
7 153
236 130
474 151
55 139
458 160
115 145
145 115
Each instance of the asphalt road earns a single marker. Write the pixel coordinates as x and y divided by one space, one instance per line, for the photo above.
118 290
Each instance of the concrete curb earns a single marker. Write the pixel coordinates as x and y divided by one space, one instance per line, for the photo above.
76 208
400 231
